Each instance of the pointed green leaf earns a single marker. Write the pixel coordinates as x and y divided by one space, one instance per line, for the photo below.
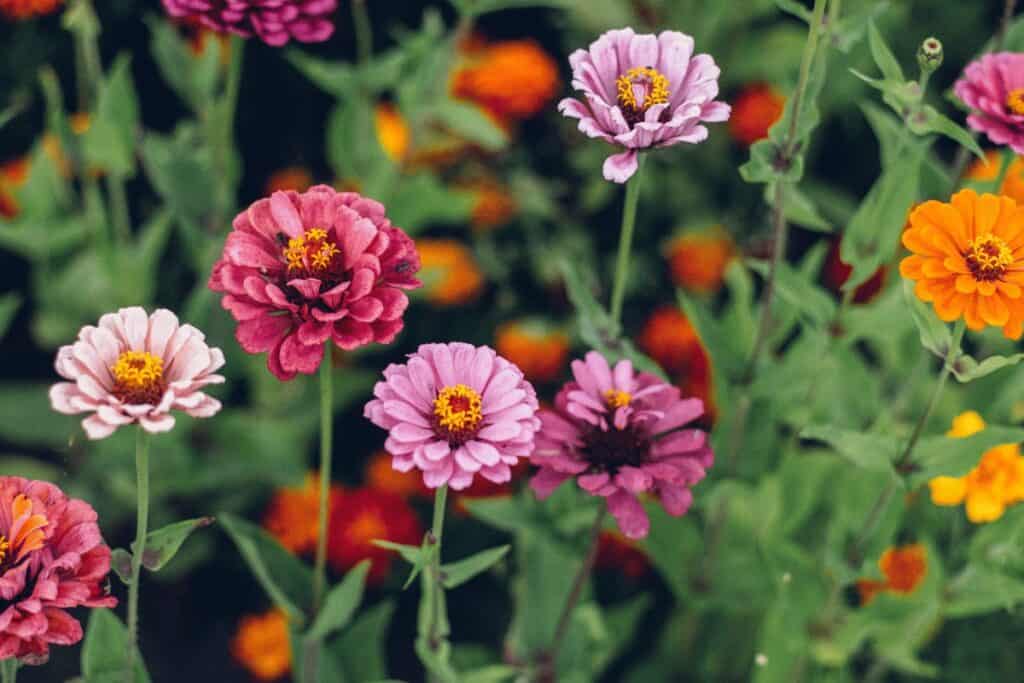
967 369
105 648
121 563
874 452
341 603
361 648
803 295
110 141
163 544
469 122
725 356
9 305
931 121
885 60
980 590
416 556
457 573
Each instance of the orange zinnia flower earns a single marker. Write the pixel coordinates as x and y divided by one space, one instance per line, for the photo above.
26 9
493 206
755 110
539 351
292 516
392 131
262 646
904 567
698 260
296 178
382 476
363 516
512 79
670 339
968 260
449 272
988 171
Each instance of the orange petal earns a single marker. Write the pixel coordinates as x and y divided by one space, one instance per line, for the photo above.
986 214
950 308
994 310
948 490
986 288
910 267
983 506
956 264
971 316
966 284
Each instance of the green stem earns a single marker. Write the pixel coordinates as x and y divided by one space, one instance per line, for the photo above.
120 214
326 428
139 549
810 48
432 644
9 670
363 31
436 531
223 139
626 241
1004 169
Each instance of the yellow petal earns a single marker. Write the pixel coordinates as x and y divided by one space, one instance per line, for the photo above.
948 490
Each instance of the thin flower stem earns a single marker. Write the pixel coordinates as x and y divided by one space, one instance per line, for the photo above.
1004 26
9 670
326 428
432 644
626 241
437 604
363 30
223 139
1004 169
139 549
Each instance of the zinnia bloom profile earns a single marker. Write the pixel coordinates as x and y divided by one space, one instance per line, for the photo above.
301 269
454 411
52 559
292 517
619 433
993 87
380 475
26 9
366 515
968 260
904 568
643 91
987 490
262 645
135 367
274 21
754 111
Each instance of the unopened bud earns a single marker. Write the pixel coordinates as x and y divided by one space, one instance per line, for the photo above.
929 55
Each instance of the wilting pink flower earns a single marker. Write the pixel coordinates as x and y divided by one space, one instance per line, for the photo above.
299 269
455 410
136 368
274 21
643 91
618 432
993 87
52 558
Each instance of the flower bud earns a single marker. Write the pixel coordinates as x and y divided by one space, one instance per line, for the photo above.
929 55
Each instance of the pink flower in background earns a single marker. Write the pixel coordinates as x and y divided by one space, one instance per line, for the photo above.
274 21
300 269
643 91
618 433
455 410
135 367
993 87
52 558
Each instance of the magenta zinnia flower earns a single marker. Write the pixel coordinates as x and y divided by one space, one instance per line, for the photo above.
455 410
993 87
52 559
136 368
274 21
618 432
643 91
299 269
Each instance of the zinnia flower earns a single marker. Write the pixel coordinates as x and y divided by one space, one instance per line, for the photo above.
988 171
537 349
698 260
26 9
274 21
450 274
754 112
454 411
52 559
619 433
13 175
493 206
392 131
511 79
136 368
904 568
993 87
366 515
301 269
292 515
643 91
836 272
262 645
996 483
968 260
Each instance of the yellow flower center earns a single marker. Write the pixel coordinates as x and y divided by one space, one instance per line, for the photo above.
988 257
138 377
458 412
617 399
312 251
639 89
1015 101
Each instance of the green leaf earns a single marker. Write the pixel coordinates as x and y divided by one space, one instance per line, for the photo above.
29 468
457 573
470 122
980 590
954 457
929 120
475 8
416 556
104 652
803 295
795 8
360 648
341 603
421 200
725 356
967 369
121 564
798 208
336 78
9 305
353 149
27 418
873 452
496 673
109 143
163 544
193 77
885 60
181 170
935 335
284 578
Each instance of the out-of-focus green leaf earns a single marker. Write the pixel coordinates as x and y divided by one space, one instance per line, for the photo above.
29 468
470 122
967 369
109 143
105 649
929 120
979 590
341 603
27 418
812 301
194 77
954 457
360 648
421 200
457 573
935 335
874 452
163 544
337 78
885 60
798 208
725 357
475 8
9 305
181 170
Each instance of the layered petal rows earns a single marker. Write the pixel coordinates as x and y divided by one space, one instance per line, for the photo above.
993 87
274 21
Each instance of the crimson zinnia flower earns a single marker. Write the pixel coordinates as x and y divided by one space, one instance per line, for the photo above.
300 269
274 21
52 559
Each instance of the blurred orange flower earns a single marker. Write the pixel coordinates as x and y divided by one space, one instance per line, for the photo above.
904 567
482 488
493 206
540 351
292 514
392 131
755 110
262 646
26 9
698 260
513 79
296 178
362 516
13 175
670 339
835 272
382 476
449 272
615 551
988 171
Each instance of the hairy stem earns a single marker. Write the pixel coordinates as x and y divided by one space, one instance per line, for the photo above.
626 241
139 549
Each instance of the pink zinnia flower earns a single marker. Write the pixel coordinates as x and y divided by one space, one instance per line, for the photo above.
274 21
52 558
618 432
643 91
136 368
993 87
299 269
456 410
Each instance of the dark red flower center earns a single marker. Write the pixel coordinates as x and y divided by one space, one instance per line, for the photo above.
607 451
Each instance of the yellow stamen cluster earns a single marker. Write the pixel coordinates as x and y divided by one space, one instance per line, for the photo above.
138 370
1015 101
988 257
658 93
458 408
315 246
4 545
617 399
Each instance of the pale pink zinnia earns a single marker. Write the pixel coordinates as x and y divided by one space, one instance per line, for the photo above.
643 91
301 269
52 559
993 87
619 433
453 411
274 21
135 367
